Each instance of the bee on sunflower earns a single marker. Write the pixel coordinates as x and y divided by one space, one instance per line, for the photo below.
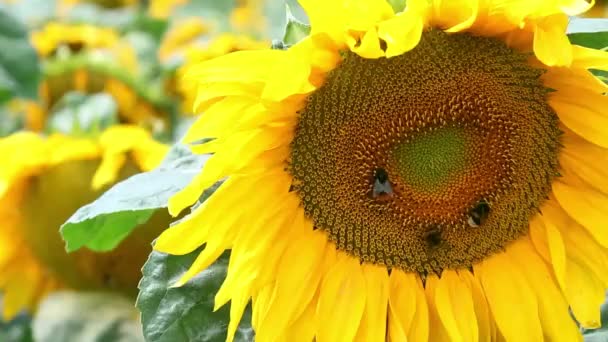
430 174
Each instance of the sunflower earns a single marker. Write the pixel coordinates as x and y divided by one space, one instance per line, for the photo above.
75 37
248 15
92 59
432 174
36 175
65 6
179 37
162 9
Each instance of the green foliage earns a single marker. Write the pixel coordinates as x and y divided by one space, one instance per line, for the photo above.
295 30
398 5
78 114
86 317
176 314
592 33
17 330
103 224
19 69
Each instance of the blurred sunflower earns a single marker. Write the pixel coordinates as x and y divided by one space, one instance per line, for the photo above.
163 9
36 175
182 34
433 174
64 6
248 16
90 60
74 37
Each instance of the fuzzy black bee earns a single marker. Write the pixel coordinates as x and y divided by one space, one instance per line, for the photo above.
382 185
479 214
433 237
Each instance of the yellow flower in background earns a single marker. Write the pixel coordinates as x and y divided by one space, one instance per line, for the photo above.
98 61
163 9
43 180
64 6
181 35
248 16
75 36
196 53
435 174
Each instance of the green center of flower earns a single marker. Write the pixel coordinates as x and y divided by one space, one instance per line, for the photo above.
431 160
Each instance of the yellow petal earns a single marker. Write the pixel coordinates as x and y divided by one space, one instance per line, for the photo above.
438 331
586 206
401 33
557 251
455 15
586 118
305 327
295 286
402 304
585 294
367 46
455 307
552 307
588 58
341 300
108 170
485 322
504 285
585 160
551 45
373 323
257 248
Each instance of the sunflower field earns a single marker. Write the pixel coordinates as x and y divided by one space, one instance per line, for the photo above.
303 170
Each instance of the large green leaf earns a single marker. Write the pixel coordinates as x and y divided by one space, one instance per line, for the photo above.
86 317
176 314
103 224
591 33
19 69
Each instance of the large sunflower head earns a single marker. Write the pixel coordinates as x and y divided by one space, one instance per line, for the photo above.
432 174
43 180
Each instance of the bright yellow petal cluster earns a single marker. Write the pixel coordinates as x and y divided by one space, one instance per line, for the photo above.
301 287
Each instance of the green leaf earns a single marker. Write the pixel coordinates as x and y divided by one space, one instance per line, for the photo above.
19 69
398 5
592 33
17 330
185 313
79 114
295 30
86 317
103 224
10 122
